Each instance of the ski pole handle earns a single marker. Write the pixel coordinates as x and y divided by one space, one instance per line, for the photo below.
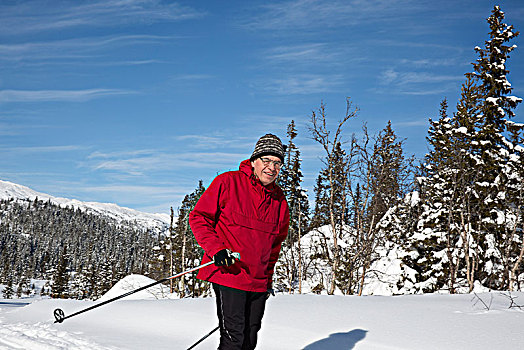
236 255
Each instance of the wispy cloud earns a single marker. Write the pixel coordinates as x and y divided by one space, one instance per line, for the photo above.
134 163
292 67
44 149
426 92
37 16
300 84
314 14
310 53
79 48
431 62
444 48
416 83
139 163
120 154
8 130
58 95
155 197
192 77
166 191
407 78
152 198
239 139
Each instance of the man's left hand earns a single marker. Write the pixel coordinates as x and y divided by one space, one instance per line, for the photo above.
270 292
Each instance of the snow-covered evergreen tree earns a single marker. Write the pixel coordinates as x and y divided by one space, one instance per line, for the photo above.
8 291
187 248
467 229
493 149
60 285
514 213
289 267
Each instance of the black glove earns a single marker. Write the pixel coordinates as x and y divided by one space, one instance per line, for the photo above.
270 292
224 258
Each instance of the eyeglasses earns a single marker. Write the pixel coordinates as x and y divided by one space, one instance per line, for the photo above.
267 161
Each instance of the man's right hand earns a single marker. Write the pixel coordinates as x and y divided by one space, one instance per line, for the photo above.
224 258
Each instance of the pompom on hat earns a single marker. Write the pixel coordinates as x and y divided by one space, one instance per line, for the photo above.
269 144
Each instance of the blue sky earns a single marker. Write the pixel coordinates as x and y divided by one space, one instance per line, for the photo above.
134 101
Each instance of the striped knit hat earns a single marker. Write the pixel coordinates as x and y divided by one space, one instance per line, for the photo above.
269 144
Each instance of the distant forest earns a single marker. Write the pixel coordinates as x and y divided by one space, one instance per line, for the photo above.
82 254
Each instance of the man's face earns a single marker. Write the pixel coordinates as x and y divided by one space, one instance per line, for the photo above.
266 173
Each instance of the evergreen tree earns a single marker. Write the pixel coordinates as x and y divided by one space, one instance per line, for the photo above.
60 286
8 291
514 172
320 212
105 277
91 280
441 234
389 173
288 269
492 148
189 251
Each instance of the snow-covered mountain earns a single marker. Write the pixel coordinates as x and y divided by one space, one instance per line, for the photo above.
11 190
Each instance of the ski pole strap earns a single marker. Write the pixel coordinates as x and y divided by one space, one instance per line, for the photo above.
236 255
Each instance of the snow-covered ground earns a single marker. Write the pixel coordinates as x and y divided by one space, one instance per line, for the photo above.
146 320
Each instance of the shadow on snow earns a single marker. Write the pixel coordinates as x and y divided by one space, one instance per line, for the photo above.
339 341
13 303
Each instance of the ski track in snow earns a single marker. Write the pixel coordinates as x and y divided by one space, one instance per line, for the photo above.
39 336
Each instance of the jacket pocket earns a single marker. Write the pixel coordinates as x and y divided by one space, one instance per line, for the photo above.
255 224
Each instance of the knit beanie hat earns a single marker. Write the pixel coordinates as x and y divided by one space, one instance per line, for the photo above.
269 144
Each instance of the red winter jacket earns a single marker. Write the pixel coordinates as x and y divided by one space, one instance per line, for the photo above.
238 213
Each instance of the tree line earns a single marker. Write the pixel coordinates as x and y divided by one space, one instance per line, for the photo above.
81 255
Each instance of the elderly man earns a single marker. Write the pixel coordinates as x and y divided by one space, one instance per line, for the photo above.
243 211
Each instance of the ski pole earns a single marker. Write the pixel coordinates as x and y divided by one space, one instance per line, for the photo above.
203 338
60 316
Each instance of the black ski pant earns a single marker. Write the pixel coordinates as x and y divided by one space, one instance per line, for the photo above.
239 317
